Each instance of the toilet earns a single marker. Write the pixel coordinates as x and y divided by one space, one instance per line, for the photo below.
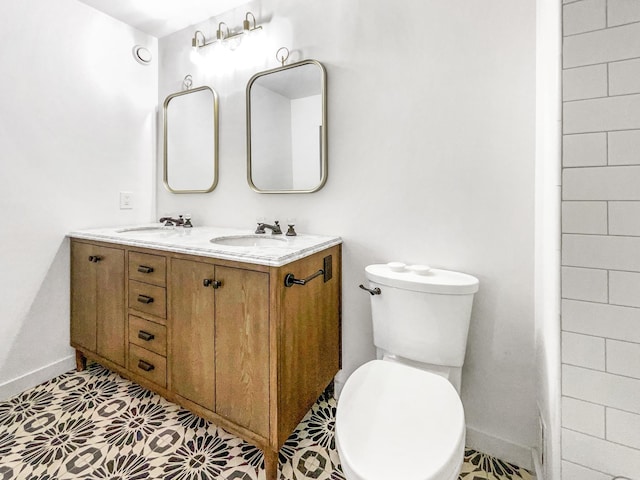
400 416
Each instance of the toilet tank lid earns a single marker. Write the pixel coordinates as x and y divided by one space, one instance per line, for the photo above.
434 281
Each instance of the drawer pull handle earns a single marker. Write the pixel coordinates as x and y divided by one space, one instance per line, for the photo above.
145 269
95 258
147 367
207 282
146 336
145 299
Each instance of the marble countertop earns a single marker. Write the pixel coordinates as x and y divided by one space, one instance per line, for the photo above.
197 241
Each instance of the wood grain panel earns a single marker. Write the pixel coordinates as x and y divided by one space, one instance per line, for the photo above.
157 307
140 263
242 348
309 338
110 306
158 374
191 332
83 296
138 326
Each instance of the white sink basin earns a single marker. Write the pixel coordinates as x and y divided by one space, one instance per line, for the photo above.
249 241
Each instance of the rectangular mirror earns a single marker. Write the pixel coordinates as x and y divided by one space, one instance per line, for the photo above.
287 129
191 141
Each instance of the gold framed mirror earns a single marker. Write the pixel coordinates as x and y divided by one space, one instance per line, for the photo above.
287 129
191 141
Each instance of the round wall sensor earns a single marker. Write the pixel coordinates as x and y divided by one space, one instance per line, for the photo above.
142 55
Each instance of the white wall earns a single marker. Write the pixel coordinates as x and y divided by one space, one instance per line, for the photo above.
431 160
76 127
601 240
547 231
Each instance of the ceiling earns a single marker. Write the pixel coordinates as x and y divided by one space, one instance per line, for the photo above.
162 17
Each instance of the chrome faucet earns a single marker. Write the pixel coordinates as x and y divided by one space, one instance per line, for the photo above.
178 222
275 229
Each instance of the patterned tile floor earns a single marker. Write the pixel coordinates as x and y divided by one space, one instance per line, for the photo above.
97 425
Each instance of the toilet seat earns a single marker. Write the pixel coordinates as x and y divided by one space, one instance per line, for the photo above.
396 421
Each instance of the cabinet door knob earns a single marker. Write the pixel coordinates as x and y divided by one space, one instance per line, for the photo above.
146 336
208 282
145 299
95 258
147 367
145 269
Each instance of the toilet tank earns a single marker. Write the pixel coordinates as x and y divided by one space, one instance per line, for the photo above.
421 316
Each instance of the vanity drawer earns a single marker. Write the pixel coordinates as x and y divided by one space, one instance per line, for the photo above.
148 335
148 268
148 365
148 298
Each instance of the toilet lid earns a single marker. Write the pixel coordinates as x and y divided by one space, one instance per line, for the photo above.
396 421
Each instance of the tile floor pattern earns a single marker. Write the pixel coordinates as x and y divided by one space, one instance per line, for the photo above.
97 425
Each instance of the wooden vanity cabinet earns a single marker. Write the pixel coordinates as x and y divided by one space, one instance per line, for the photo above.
98 299
147 294
219 340
224 339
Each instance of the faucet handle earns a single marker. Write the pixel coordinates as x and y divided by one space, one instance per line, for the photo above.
276 228
187 221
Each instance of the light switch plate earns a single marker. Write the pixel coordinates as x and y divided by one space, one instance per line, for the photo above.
126 202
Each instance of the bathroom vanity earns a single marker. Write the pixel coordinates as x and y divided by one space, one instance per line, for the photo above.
203 317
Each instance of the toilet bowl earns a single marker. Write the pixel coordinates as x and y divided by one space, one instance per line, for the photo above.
398 422
401 417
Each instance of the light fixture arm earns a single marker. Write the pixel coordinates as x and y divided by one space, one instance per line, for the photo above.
246 24
220 34
201 41
223 33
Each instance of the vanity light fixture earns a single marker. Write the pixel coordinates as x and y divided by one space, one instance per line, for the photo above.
224 36
246 25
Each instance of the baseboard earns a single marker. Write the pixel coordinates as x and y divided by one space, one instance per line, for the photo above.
498 447
36 377
338 384
538 469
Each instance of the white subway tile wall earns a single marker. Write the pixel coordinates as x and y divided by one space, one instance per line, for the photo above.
589 150
601 239
624 146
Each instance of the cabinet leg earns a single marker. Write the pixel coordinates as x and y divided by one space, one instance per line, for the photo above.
81 361
270 464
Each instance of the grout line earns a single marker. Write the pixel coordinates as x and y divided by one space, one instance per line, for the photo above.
600 404
622 60
603 372
602 303
602 97
585 467
604 166
604 235
602 131
612 27
593 64
603 439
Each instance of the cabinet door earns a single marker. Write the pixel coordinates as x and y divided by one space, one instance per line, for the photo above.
242 348
191 332
97 300
83 296
110 307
